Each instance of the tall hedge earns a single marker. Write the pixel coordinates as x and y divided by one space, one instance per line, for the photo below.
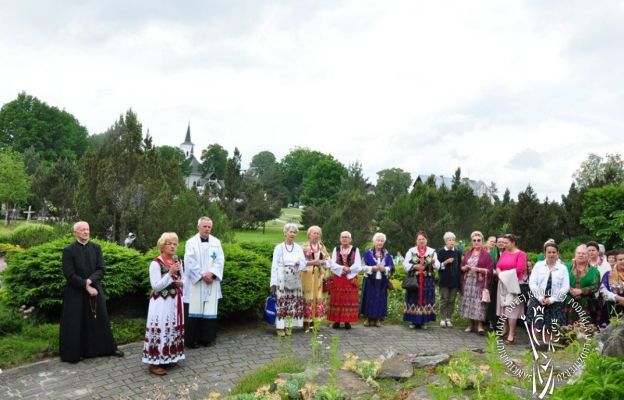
34 277
28 235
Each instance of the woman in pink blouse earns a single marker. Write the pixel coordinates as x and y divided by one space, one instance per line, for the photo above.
511 258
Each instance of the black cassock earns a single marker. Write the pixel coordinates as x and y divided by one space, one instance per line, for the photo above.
81 333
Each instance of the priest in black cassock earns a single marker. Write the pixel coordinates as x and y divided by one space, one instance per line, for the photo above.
84 330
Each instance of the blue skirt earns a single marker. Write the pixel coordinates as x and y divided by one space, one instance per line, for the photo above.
374 304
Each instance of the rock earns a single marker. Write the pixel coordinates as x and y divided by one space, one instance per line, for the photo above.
420 393
430 361
309 374
396 367
611 340
348 382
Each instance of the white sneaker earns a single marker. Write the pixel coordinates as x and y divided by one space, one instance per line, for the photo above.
449 323
412 326
443 323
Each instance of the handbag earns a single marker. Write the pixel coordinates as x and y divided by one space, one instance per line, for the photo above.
410 282
485 296
270 309
292 280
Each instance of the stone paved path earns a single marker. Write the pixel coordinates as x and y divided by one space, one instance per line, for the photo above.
214 369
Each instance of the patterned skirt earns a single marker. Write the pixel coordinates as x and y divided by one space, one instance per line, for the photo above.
164 331
314 305
289 307
420 304
471 305
343 300
374 297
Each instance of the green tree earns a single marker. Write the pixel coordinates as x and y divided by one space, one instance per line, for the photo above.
14 183
323 182
27 122
51 186
596 171
603 214
214 158
266 169
125 186
354 211
296 165
167 153
232 192
392 183
525 219
423 209
572 211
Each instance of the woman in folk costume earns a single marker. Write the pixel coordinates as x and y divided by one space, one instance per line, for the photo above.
612 287
203 260
312 279
584 284
288 262
420 304
378 266
346 263
477 268
164 333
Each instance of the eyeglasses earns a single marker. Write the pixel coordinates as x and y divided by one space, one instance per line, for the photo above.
476 240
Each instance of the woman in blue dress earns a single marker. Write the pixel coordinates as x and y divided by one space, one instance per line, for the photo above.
378 266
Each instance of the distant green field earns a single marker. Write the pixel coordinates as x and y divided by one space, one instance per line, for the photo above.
274 229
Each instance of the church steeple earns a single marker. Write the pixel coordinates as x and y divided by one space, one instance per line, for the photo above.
187 146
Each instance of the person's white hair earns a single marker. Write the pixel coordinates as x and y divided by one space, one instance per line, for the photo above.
449 235
379 235
477 234
77 224
601 249
290 226
345 233
199 221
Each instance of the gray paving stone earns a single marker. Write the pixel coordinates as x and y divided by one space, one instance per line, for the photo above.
215 368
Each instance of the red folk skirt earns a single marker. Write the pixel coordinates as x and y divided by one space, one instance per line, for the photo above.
343 299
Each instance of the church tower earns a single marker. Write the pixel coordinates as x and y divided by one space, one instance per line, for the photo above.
187 146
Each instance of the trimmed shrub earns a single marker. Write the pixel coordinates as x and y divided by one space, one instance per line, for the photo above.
34 277
6 249
29 235
245 280
264 249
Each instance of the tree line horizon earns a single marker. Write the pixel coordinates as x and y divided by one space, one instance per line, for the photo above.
121 182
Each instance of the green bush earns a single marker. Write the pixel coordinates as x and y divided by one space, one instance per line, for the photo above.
7 248
34 277
602 378
10 320
245 280
29 235
265 249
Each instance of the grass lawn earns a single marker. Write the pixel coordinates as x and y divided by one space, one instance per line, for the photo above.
274 229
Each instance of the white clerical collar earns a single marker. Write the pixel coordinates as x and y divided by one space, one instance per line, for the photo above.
82 243
447 249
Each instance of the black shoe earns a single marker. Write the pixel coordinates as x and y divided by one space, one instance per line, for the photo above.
191 345
347 325
336 325
118 353
204 344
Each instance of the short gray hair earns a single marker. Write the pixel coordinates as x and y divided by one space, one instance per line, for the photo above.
449 235
290 226
199 221
346 233
379 235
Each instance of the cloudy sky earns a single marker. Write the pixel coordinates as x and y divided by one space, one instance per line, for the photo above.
514 92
